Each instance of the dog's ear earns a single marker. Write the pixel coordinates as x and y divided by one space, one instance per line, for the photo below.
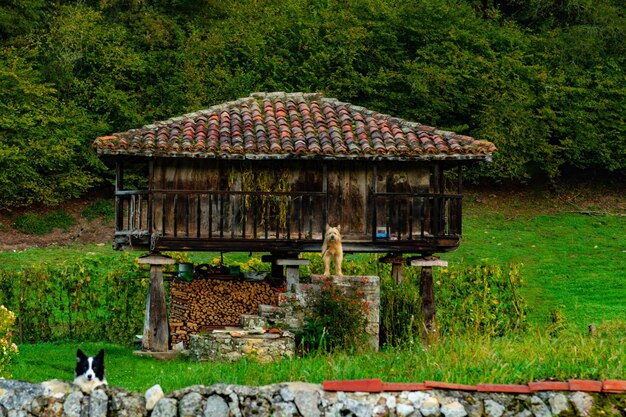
100 356
339 227
327 227
80 355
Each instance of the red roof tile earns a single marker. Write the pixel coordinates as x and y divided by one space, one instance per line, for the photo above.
281 125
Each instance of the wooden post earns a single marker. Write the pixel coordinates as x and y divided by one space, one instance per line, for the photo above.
397 273
155 326
427 291
397 262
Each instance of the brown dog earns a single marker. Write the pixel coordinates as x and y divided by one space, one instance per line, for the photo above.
332 249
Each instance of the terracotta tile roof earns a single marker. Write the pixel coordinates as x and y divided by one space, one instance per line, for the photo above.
295 125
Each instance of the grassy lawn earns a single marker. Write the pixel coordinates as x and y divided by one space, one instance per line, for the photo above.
467 359
572 263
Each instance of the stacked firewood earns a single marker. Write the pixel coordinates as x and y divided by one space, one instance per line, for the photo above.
203 304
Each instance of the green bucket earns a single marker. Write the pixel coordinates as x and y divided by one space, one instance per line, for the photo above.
185 271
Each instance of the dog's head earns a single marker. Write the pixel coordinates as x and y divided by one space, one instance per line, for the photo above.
333 233
89 370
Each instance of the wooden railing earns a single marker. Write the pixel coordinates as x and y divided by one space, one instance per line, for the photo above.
407 216
145 216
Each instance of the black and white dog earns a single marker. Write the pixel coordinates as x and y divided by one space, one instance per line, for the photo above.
89 371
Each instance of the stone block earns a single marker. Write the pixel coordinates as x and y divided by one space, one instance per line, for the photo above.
250 321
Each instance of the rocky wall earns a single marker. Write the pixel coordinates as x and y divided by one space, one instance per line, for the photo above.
58 398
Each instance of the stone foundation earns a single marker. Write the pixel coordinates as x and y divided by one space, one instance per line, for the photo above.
233 345
294 306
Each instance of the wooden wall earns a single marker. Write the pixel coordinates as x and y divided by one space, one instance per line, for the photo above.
262 199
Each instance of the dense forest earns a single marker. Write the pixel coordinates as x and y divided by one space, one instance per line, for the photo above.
545 80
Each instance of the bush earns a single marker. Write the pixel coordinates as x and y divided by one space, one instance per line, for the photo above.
481 299
8 349
36 224
88 299
336 322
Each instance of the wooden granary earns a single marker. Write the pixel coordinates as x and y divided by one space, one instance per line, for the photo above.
268 172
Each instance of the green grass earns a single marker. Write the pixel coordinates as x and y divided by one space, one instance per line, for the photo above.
99 209
466 359
572 262
41 224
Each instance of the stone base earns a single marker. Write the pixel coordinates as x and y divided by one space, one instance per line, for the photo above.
164 356
235 344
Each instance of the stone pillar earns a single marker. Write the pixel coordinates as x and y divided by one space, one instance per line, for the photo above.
155 326
292 268
369 286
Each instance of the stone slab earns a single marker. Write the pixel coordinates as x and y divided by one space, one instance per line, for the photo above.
163 356
426 262
154 259
293 262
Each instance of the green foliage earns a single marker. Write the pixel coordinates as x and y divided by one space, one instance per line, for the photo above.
100 209
400 314
482 299
543 79
38 224
8 349
336 322
44 140
87 299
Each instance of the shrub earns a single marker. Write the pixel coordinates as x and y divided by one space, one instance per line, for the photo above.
86 299
336 322
8 349
483 299
102 209
36 224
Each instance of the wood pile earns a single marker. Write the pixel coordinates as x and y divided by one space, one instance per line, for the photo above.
202 304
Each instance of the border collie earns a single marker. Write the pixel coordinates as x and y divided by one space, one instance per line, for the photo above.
89 371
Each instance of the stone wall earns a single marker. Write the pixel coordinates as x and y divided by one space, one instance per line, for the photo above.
304 297
269 334
58 398
234 345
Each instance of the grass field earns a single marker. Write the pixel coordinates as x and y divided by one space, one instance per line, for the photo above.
473 359
572 263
